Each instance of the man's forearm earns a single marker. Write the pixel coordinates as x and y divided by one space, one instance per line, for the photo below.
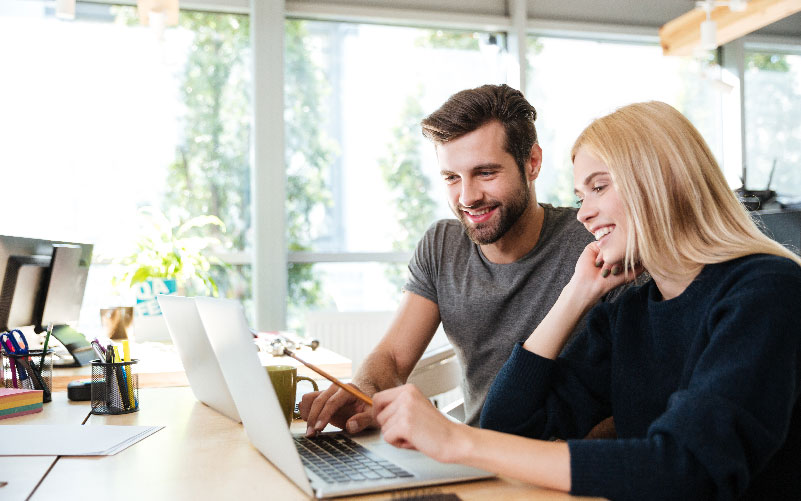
378 372
395 356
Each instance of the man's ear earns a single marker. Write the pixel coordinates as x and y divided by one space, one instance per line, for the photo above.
534 163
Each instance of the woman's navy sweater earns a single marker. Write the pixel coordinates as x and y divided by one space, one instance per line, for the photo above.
703 389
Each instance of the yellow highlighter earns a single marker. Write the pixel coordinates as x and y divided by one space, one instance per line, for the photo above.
120 373
126 353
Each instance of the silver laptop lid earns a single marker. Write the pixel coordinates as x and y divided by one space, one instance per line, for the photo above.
197 356
237 354
264 421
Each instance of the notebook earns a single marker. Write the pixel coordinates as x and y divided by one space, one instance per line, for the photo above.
200 364
19 401
265 425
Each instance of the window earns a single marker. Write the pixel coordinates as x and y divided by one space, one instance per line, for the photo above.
101 118
95 131
773 123
571 82
361 178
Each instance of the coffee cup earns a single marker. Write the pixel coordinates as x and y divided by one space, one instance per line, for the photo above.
285 381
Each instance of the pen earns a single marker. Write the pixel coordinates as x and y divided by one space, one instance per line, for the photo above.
101 354
109 378
350 389
36 378
44 348
100 346
23 365
38 373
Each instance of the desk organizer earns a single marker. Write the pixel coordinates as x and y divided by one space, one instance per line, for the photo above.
115 387
42 378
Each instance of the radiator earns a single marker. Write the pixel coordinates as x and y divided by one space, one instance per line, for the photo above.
352 334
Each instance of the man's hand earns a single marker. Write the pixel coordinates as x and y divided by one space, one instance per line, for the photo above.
387 366
335 406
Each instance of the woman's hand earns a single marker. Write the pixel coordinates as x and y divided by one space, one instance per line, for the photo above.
594 277
408 420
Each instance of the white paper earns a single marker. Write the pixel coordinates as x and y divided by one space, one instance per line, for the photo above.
69 440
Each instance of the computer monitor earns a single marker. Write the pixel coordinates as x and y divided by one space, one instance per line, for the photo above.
42 282
782 225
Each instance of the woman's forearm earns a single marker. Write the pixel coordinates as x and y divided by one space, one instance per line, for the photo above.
552 333
538 462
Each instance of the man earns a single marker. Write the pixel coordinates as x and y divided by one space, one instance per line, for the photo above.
489 277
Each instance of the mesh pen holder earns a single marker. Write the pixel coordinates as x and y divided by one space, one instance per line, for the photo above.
115 387
14 367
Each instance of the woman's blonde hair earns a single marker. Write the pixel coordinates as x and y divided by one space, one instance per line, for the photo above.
680 211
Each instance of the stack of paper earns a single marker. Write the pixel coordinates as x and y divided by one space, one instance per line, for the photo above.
70 440
16 402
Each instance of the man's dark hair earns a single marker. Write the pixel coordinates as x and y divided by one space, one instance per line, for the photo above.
470 109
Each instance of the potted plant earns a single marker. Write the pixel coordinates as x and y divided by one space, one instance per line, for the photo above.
170 256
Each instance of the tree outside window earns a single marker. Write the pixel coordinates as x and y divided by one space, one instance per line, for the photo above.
773 123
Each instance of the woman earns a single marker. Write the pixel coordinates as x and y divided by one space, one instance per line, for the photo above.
700 367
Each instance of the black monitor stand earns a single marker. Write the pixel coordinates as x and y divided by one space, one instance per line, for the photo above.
75 343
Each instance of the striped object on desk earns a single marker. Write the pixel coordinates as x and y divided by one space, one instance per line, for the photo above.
17 402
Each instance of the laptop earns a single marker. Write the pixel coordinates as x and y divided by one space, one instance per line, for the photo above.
197 356
369 463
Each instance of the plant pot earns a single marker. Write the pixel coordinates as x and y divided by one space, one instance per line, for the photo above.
117 322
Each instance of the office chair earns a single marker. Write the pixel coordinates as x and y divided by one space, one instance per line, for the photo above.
438 375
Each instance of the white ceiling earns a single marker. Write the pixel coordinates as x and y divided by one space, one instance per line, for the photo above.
642 13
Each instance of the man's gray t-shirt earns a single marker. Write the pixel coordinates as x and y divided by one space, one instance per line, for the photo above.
486 307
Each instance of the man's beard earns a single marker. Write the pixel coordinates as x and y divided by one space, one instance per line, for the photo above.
508 214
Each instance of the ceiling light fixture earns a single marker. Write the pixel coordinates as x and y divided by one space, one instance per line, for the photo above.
733 19
709 28
158 14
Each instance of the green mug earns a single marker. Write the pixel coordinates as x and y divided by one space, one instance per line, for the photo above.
285 381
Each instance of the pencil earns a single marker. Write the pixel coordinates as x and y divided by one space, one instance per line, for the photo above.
350 389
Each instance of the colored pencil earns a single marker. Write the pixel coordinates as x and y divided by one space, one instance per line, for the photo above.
350 389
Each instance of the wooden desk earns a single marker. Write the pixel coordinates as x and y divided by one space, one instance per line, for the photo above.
160 366
199 455
19 475
24 473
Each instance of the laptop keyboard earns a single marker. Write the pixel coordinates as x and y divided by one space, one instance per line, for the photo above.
337 459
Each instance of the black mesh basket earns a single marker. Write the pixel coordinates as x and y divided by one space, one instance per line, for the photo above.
115 387
36 377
